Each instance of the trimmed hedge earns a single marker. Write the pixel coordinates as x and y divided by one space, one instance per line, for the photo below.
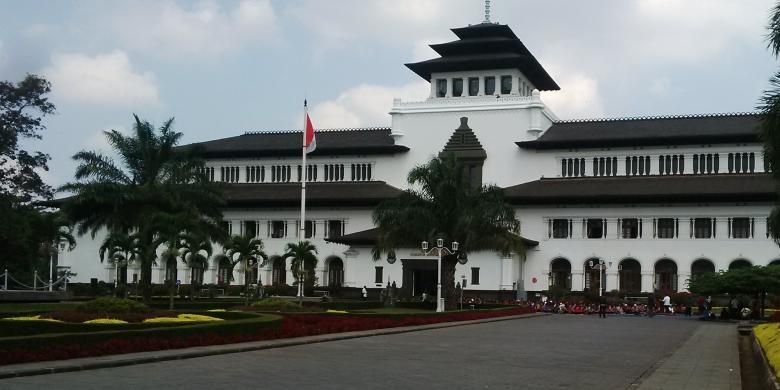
345 305
14 328
416 305
73 345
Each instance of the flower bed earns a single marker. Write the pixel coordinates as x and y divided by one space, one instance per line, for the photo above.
768 336
258 327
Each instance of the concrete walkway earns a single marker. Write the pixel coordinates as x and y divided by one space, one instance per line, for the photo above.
709 359
91 363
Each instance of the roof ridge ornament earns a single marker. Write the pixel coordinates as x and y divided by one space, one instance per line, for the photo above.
487 12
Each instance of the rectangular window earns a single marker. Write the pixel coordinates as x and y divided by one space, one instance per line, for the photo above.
457 87
629 228
595 228
441 87
250 228
278 229
474 275
666 227
740 227
473 86
702 227
506 85
378 275
560 228
335 228
490 85
309 229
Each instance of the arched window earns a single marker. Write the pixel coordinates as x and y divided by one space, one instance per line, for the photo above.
335 272
170 270
560 274
739 264
224 271
666 275
701 267
630 276
279 275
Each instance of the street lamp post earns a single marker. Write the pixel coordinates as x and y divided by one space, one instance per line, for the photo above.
602 267
439 248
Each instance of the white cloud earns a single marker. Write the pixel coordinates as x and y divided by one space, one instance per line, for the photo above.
687 31
578 98
205 28
103 79
364 105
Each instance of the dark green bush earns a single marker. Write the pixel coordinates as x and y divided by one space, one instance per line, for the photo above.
282 305
418 305
345 305
85 334
112 305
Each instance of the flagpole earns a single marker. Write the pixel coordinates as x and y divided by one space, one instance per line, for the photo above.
302 232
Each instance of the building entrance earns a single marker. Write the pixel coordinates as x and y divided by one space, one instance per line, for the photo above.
419 276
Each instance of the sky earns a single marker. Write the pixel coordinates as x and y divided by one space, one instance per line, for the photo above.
221 68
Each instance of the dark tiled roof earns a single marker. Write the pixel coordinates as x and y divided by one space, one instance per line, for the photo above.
649 189
368 238
482 47
317 194
668 130
288 143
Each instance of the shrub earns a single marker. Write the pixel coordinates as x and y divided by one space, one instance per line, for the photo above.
105 321
277 304
112 305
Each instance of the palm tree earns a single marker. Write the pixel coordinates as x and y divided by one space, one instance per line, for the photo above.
249 252
119 248
191 250
769 106
441 204
301 253
154 182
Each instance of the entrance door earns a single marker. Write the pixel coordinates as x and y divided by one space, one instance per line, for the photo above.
424 281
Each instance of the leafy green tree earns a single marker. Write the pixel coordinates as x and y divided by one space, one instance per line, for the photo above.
302 253
769 107
247 251
154 183
757 281
441 203
23 106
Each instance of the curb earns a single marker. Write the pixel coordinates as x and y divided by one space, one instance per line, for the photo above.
91 363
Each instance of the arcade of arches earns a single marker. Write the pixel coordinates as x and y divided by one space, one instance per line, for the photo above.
628 277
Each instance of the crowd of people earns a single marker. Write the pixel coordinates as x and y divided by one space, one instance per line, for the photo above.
636 308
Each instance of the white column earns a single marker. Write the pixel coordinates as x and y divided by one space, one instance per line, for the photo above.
515 86
682 282
481 86
433 88
647 282
577 280
612 279
449 87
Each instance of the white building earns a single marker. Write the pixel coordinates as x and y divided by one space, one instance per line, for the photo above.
658 199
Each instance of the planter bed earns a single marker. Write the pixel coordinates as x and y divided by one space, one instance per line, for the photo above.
256 327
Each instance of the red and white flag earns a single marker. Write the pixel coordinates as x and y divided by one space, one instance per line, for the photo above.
310 143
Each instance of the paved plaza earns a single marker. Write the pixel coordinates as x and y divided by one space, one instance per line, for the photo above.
549 352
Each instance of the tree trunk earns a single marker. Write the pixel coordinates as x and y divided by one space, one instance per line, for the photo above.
246 286
451 298
171 290
147 258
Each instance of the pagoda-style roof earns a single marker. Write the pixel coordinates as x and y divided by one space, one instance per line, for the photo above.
757 187
485 46
363 141
317 194
649 131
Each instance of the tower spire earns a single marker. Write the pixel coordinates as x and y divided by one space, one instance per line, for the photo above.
487 12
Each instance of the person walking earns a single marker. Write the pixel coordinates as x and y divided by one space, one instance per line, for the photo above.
364 292
668 304
603 308
651 305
